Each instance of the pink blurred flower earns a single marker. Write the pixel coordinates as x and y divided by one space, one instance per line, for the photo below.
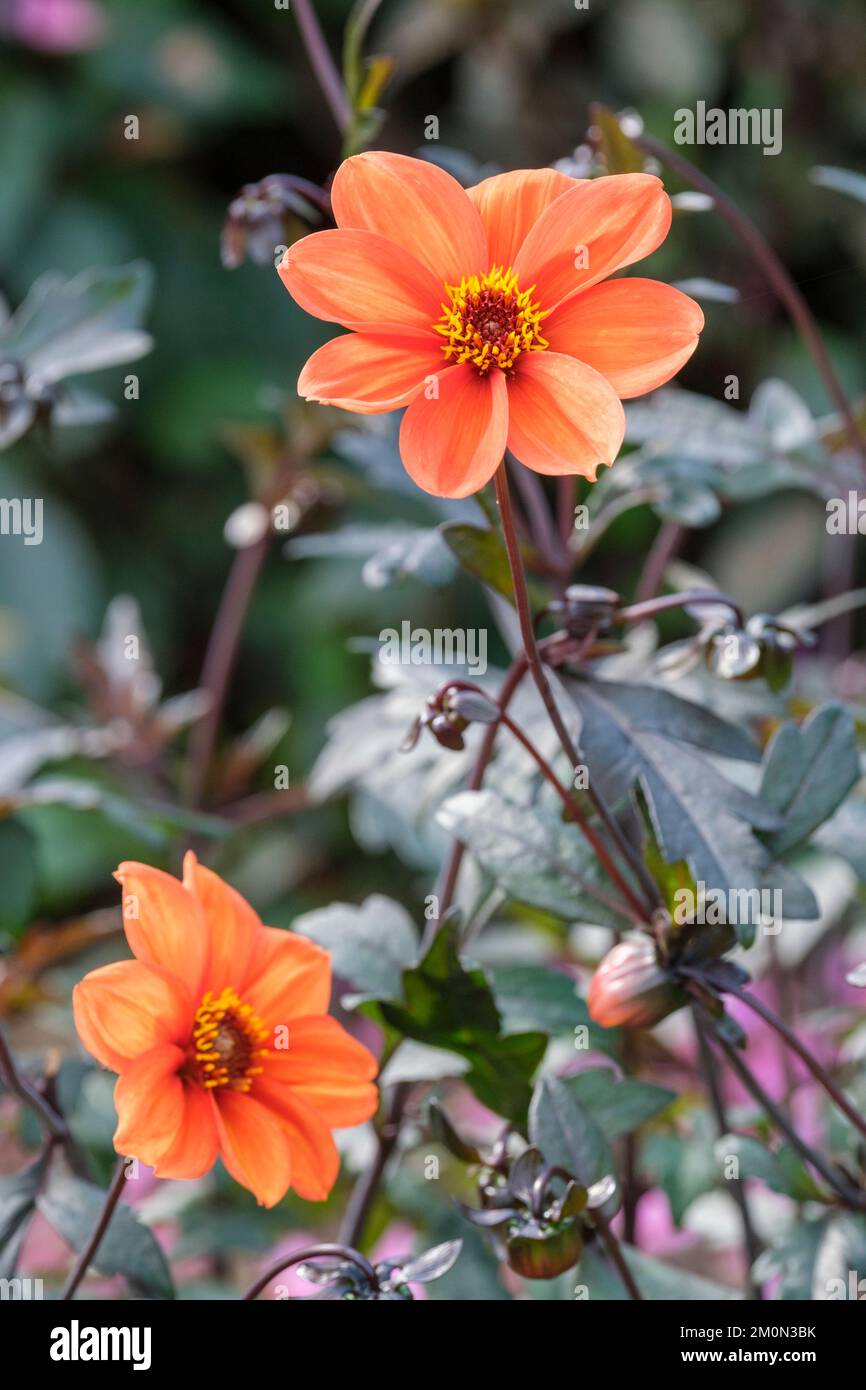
56 26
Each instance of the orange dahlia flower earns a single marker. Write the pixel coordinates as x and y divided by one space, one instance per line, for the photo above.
483 311
221 1039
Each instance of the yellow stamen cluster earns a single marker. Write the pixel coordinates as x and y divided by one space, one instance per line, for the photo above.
228 1042
490 321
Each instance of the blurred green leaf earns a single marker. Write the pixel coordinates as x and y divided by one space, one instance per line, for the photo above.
447 1004
73 1207
19 875
18 1192
68 327
567 1133
618 1106
482 553
531 853
840 181
808 771
656 1280
370 945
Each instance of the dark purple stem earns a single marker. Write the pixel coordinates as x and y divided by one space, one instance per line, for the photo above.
323 64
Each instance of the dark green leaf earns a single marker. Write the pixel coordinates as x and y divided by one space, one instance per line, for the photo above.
618 1107
532 854
19 875
567 1134
449 1005
537 997
390 552
432 1264
633 735
73 1208
482 553
18 1193
808 772
655 1280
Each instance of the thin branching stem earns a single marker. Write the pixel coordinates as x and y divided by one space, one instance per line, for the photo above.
794 1043
536 670
323 64
575 811
615 1255
112 1197
52 1122
850 1196
738 1189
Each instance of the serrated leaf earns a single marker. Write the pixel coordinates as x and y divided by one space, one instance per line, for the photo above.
73 1207
447 1004
533 855
618 1106
567 1134
634 736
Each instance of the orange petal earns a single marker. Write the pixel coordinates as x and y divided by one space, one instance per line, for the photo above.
196 1144
637 333
370 374
452 444
163 922
564 417
598 227
125 1009
148 1098
362 280
416 205
231 923
510 205
254 1146
288 977
315 1161
329 1069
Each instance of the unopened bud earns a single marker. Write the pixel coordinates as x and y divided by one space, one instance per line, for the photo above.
630 989
472 706
445 733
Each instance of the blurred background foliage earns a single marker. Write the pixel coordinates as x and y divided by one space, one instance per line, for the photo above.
223 96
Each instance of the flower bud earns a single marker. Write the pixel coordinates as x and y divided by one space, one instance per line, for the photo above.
630 989
539 1251
445 733
472 707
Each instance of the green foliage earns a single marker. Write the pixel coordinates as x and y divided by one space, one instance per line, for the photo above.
73 1208
109 248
